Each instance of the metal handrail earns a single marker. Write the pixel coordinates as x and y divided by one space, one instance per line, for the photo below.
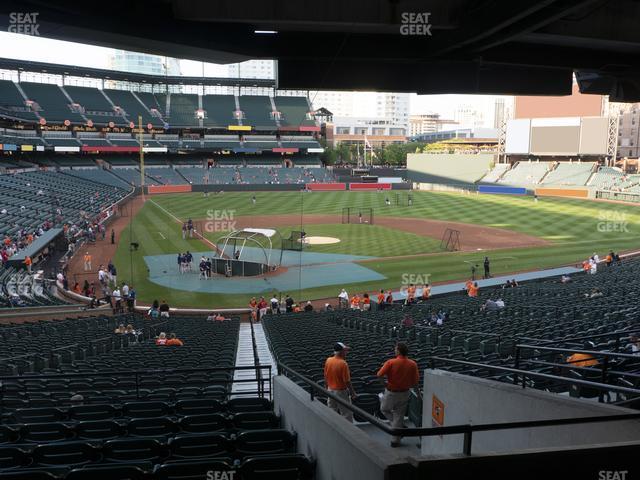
465 429
573 350
546 376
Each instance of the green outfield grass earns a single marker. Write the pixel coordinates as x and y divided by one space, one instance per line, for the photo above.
575 228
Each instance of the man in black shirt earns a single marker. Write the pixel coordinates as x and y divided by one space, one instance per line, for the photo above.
289 303
487 273
164 309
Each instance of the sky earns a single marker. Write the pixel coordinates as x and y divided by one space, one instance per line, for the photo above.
42 49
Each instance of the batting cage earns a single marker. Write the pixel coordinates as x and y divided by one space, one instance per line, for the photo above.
294 242
357 215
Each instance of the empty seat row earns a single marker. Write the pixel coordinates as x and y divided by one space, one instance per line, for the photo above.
141 410
275 466
138 427
148 450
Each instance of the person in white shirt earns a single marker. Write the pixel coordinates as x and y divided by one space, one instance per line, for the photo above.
117 300
274 305
125 290
343 299
102 276
596 258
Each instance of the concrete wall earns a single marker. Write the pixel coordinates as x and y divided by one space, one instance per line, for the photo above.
448 168
342 451
469 400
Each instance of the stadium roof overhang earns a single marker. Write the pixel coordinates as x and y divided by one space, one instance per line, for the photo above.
474 46
73 71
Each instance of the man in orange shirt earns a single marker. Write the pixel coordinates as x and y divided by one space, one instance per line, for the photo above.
174 341
426 292
355 302
582 360
337 378
27 262
402 374
87 262
473 290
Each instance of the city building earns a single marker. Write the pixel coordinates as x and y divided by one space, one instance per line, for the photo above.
125 61
252 69
426 123
378 132
459 133
393 107
629 132
468 117
574 105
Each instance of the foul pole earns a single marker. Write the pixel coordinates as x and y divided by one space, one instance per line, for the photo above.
141 141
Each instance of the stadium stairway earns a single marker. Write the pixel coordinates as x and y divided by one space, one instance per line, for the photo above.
247 356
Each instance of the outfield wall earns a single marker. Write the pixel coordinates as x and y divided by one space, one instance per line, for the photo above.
563 192
501 190
448 168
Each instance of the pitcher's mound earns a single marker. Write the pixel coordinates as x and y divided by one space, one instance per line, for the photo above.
320 240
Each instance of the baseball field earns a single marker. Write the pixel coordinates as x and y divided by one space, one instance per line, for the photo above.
403 242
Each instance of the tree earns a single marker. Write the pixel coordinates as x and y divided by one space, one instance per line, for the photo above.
329 156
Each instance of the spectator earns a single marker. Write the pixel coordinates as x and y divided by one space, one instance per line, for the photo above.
275 306
355 302
216 317
337 378
288 301
131 300
343 299
565 279
594 293
473 290
164 309
120 329
380 299
154 311
402 375
117 300
173 341
582 360
389 300
308 307
77 289
87 262
27 262
634 345
262 308
162 339
426 292
366 302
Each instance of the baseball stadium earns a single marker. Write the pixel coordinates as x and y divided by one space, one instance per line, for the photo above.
216 277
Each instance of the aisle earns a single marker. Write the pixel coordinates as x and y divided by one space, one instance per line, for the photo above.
244 357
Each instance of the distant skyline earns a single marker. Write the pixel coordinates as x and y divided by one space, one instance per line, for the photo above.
40 49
